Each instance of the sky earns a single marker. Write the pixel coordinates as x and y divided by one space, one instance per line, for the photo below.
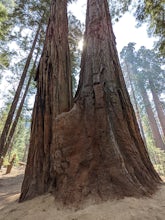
124 30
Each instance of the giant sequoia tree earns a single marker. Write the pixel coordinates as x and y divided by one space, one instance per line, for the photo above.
94 150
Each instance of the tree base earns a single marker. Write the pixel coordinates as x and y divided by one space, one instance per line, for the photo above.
90 165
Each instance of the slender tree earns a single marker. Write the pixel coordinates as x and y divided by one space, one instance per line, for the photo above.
158 106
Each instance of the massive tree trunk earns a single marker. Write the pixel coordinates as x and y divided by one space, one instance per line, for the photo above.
151 118
158 106
54 95
97 149
10 116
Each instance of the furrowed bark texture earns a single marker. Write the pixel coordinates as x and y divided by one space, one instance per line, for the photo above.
97 147
53 97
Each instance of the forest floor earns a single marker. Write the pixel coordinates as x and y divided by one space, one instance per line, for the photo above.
43 207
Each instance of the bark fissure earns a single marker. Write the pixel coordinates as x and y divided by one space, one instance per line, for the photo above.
53 97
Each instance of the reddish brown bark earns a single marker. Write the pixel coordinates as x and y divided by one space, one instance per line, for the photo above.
97 147
94 151
53 97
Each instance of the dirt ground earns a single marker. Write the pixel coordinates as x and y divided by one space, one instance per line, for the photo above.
44 208
10 186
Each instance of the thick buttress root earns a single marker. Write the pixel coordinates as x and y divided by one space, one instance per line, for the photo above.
95 160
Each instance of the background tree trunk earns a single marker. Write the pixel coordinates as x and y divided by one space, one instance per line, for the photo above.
97 149
151 118
54 95
25 153
158 106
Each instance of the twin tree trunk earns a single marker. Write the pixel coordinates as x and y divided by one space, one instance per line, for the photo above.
94 151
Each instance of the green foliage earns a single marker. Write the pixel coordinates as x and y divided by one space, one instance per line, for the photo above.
4 57
157 155
153 12
151 68
144 65
3 115
3 13
6 161
20 139
21 135
9 4
6 7
150 11
118 8
3 18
